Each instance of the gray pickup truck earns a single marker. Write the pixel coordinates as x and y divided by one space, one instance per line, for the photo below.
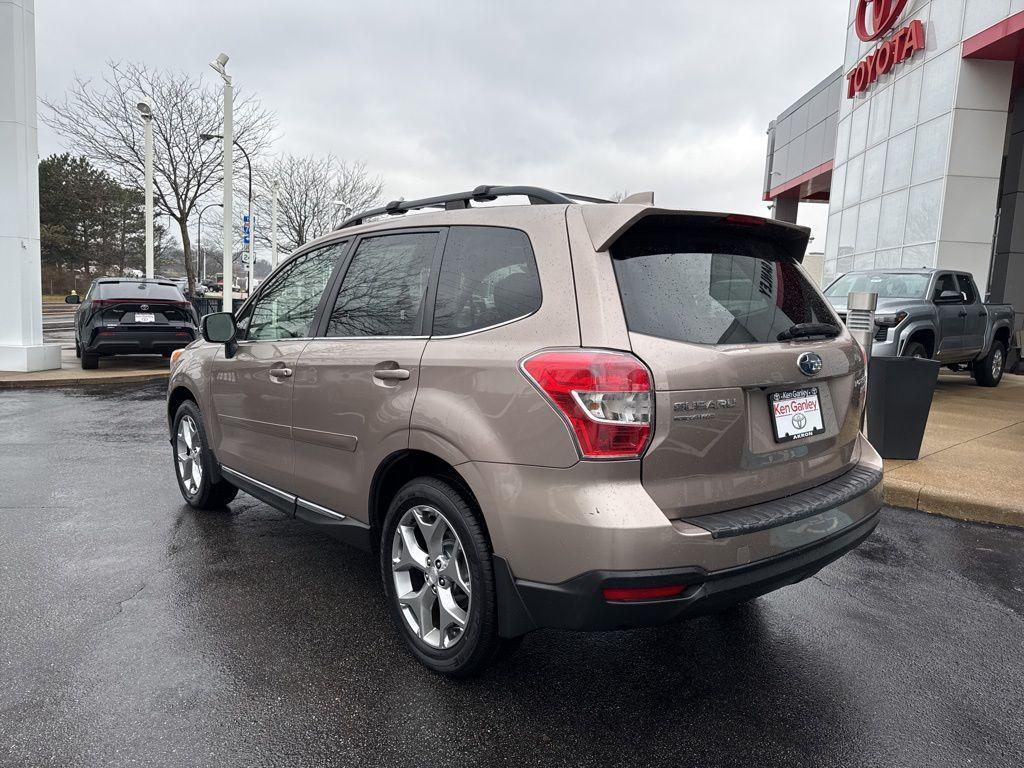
933 313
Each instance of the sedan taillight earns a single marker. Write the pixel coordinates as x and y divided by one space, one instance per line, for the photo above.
606 397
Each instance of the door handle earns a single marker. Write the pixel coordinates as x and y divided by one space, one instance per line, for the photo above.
983 313
280 373
391 374
963 313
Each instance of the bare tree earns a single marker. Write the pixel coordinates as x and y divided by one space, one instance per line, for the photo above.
101 121
310 189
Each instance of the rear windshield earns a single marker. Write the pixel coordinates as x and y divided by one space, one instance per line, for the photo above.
133 290
712 285
888 285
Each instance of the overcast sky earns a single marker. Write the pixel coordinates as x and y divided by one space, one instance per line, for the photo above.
589 97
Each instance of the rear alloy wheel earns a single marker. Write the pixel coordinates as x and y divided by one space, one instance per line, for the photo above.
194 463
988 371
439 579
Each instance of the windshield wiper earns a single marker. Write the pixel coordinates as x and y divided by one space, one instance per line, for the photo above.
805 330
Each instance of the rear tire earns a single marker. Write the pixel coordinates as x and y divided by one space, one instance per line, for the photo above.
915 349
439 525
78 349
988 371
194 464
90 361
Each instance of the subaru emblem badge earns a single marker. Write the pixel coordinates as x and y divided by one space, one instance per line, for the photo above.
809 363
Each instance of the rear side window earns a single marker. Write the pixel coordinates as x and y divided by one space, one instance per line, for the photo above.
712 285
488 276
133 290
384 288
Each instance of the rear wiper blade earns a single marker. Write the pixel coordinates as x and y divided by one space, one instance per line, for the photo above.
805 330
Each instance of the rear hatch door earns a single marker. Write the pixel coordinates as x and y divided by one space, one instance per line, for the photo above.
744 413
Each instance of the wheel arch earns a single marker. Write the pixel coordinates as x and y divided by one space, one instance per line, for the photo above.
923 335
175 398
399 468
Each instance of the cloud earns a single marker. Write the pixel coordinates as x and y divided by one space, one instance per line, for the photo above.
591 97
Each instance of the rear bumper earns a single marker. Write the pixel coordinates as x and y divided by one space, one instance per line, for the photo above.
579 604
115 341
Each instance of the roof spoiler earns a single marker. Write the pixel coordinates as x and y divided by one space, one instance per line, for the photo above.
607 223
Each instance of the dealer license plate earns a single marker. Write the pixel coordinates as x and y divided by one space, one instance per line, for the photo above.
796 414
145 317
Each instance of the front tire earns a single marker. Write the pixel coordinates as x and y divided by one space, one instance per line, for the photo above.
194 464
439 580
915 349
988 371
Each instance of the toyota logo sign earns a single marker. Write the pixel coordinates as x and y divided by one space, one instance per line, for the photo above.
884 14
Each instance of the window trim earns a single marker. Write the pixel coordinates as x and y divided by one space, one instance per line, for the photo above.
334 286
437 279
282 269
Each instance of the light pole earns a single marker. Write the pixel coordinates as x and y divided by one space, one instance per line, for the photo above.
147 119
275 187
248 163
201 262
220 66
345 209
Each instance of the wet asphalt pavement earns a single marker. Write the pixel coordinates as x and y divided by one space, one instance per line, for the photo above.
136 631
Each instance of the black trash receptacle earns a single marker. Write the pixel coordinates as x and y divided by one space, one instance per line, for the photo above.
900 393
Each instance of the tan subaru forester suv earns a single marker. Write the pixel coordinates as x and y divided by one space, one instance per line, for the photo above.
568 413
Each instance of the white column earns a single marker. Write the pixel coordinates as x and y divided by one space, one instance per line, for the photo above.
149 196
229 160
21 323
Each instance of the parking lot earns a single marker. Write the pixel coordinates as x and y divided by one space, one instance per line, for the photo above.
138 631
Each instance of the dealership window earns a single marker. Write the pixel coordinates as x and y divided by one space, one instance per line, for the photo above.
899 160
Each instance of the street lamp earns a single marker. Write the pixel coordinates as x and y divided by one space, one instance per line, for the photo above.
220 67
146 110
199 240
248 163
346 209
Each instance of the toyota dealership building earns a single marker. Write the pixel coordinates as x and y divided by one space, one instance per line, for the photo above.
916 143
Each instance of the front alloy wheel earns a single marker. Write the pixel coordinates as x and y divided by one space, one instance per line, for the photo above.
431 576
189 454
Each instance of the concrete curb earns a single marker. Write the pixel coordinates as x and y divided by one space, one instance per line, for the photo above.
953 504
77 380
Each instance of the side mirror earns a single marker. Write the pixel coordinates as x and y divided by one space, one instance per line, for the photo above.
74 298
950 297
220 328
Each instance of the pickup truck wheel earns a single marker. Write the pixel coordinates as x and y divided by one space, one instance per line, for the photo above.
915 349
988 371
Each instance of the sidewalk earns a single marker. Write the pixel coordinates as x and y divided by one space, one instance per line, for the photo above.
112 370
972 459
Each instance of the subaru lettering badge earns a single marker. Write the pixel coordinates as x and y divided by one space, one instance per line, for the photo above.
809 363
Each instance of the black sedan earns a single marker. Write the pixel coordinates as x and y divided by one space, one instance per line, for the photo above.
123 316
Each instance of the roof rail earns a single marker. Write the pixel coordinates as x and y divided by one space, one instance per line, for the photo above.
483 193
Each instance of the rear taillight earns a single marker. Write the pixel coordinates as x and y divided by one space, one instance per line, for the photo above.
635 594
606 397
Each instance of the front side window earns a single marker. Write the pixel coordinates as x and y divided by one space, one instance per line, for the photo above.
285 308
967 287
385 286
488 276
945 282
708 285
